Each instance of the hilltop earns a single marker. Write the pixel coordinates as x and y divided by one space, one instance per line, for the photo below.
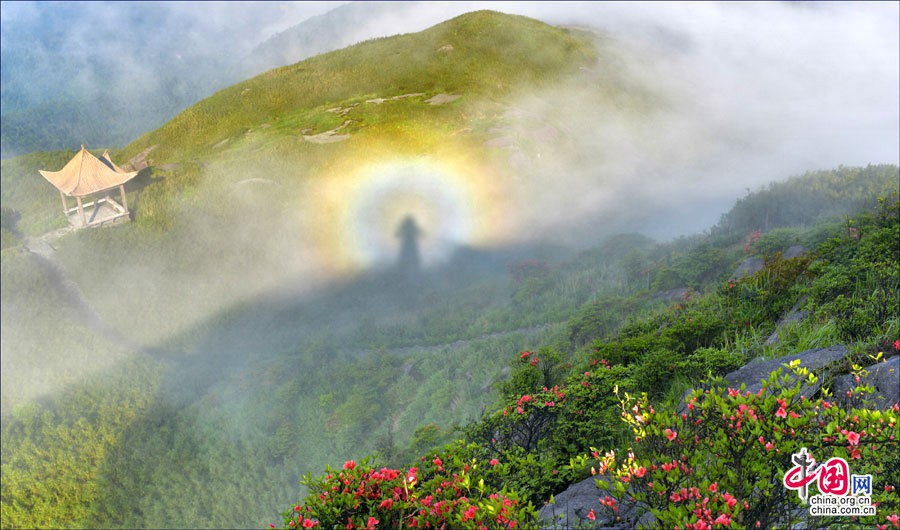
478 55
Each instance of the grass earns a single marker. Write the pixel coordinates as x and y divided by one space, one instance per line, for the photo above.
489 59
27 192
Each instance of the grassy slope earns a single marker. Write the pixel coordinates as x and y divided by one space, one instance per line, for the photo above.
492 55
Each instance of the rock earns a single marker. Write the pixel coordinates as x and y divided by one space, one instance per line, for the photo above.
793 252
792 316
140 161
329 137
749 267
817 360
571 507
884 377
442 99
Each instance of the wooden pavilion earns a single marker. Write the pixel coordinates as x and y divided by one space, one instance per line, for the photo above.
86 175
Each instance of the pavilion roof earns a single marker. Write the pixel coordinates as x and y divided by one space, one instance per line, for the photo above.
86 174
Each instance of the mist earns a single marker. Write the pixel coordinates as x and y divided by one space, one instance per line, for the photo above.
743 94
687 107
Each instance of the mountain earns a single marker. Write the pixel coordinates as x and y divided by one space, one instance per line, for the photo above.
347 255
482 54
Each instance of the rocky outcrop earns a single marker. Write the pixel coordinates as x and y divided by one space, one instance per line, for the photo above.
442 99
749 267
141 161
883 377
570 509
793 252
817 360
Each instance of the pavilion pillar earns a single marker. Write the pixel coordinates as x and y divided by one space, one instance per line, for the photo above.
124 200
65 205
81 212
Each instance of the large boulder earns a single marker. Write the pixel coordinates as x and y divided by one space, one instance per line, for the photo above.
883 377
749 267
817 360
570 509
793 252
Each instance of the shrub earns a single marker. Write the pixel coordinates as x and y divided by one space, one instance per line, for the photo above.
447 490
723 460
776 240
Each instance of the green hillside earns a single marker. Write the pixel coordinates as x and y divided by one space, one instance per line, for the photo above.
481 55
186 369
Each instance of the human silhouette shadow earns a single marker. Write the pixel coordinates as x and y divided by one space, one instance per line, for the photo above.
409 262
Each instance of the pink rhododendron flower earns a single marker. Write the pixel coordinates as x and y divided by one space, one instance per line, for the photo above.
670 434
729 499
309 523
349 464
853 438
494 462
591 515
723 519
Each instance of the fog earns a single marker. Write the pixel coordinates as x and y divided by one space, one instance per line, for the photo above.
688 106
750 93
